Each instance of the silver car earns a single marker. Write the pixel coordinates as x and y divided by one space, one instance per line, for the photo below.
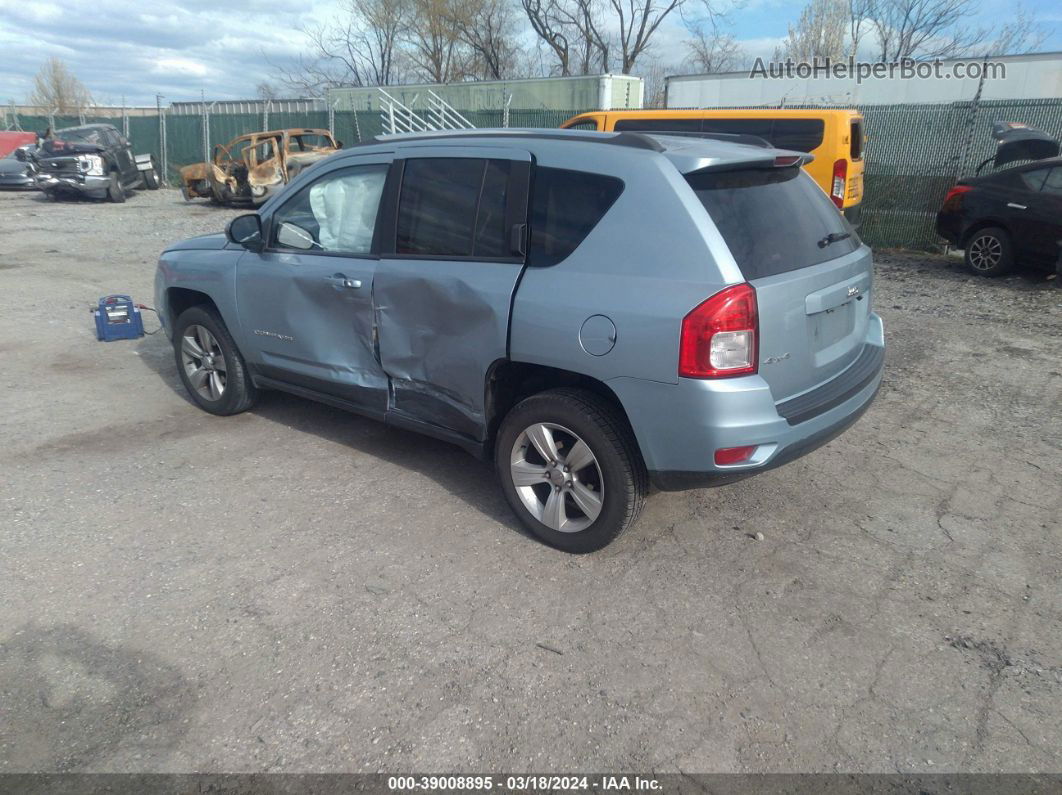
595 312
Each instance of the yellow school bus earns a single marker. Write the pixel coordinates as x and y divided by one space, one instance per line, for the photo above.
834 136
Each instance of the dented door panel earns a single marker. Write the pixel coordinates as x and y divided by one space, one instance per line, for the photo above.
443 321
441 325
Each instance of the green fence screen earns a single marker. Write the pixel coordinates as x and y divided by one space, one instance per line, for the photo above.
914 153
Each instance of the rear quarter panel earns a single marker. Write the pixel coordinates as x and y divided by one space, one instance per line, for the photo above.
645 265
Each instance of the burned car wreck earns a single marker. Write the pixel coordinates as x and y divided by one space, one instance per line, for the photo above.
252 167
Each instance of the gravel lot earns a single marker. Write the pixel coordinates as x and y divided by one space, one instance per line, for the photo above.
299 589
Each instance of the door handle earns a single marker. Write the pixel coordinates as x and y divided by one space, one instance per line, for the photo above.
339 281
1014 206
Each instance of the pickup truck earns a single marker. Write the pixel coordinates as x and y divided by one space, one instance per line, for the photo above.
92 160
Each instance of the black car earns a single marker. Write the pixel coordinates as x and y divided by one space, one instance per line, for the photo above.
15 171
93 160
1010 216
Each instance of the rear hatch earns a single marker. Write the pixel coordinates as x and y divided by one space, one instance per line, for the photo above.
811 273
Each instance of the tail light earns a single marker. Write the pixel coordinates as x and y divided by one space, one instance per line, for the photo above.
718 337
840 179
954 197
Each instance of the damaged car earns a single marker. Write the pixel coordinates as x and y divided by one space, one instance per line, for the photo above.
249 169
594 312
93 160
1012 216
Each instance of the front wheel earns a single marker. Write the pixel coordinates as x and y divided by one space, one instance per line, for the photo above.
115 191
990 252
570 469
210 364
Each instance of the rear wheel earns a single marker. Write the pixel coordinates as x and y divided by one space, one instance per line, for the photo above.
570 469
115 191
989 252
210 364
151 176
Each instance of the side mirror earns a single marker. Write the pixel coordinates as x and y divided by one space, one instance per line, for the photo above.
20 155
246 230
292 236
339 144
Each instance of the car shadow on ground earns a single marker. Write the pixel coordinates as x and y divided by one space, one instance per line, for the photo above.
460 473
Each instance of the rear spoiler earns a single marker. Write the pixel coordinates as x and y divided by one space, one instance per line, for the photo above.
734 138
1015 141
773 158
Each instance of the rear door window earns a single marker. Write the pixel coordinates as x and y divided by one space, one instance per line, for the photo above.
856 150
565 206
658 125
453 207
773 220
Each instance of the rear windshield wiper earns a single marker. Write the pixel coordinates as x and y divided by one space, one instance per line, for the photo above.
833 237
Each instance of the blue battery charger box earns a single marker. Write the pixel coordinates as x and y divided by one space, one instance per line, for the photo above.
117 318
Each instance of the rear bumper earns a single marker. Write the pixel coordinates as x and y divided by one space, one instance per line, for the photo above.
949 227
680 426
854 215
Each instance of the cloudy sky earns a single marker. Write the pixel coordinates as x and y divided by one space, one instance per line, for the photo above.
180 48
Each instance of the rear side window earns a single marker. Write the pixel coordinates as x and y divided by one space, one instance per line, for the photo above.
658 125
586 124
773 220
857 140
1034 179
453 207
800 135
565 206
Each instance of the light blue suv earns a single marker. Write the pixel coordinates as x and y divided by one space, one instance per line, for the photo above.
595 312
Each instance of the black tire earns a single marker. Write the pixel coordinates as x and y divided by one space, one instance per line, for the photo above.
989 252
239 392
151 177
115 191
604 430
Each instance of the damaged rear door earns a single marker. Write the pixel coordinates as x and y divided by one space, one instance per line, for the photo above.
448 269
305 302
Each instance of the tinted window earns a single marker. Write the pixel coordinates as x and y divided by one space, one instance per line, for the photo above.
856 151
658 125
1053 183
490 222
565 206
773 219
801 135
1034 180
590 124
335 213
437 209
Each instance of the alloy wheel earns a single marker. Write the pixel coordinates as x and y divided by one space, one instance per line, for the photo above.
557 477
986 252
204 362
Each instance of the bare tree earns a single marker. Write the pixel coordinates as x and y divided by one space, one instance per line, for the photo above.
435 46
820 32
487 28
924 28
712 50
591 35
266 91
1020 35
360 47
56 89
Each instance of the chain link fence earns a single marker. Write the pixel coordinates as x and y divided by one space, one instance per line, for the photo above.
914 153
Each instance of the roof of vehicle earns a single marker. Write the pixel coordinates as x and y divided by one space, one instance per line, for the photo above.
86 127
687 153
280 133
696 113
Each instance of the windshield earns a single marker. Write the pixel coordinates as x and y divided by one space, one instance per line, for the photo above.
773 220
71 139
